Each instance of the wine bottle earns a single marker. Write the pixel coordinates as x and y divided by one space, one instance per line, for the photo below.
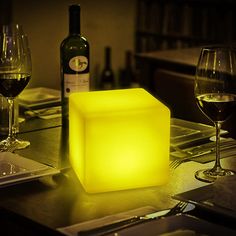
74 57
107 80
127 76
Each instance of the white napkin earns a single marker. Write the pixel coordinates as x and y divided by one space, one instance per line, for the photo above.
72 230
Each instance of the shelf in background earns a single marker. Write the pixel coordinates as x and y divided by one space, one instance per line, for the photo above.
183 23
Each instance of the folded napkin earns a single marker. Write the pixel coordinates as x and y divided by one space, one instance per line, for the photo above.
45 113
72 230
224 192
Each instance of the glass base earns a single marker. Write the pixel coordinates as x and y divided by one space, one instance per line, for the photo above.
210 175
9 145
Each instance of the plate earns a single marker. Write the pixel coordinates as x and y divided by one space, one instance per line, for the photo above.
203 198
177 225
186 133
38 97
15 168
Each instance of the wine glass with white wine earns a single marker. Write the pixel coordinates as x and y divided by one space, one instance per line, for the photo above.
15 73
215 92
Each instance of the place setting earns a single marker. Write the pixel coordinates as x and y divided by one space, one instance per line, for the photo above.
40 102
39 97
15 169
191 141
202 153
214 77
113 224
214 91
148 221
15 74
216 198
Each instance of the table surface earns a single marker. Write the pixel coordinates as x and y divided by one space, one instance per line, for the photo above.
60 200
186 56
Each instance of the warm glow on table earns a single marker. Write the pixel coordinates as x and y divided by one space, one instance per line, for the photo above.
119 139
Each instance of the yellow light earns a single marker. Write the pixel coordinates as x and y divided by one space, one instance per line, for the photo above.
119 139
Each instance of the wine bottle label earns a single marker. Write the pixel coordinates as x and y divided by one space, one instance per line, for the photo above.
75 83
78 63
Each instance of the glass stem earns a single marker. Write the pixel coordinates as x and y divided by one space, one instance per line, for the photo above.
10 103
217 166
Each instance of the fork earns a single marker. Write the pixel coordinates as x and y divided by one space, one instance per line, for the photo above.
175 163
178 208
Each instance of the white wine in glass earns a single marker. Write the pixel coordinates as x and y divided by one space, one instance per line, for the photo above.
215 92
15 74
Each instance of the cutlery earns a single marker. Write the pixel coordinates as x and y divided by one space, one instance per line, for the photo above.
178 208
135 220
200 151
203 148
194 151
175 163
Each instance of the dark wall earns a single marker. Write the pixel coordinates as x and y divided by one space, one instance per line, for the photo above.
5 11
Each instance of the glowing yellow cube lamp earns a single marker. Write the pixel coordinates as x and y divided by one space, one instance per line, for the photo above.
119 139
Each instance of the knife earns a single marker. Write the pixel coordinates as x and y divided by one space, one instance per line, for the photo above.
124 223
118 225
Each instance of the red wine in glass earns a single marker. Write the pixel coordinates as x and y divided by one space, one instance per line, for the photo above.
15 73
12 85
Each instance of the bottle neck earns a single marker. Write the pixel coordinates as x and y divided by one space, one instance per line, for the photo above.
108 58
74 19
128 59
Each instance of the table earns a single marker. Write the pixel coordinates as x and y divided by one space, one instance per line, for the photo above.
51 202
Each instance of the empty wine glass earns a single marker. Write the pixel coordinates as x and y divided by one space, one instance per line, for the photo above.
15 73
215 92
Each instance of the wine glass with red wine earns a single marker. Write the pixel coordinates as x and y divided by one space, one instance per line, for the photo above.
15 73
215 92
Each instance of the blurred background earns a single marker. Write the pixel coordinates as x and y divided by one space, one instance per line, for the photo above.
154 32
103 23
133 25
